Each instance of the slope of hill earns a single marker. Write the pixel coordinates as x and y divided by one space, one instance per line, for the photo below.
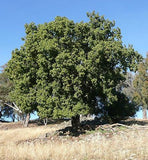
128 141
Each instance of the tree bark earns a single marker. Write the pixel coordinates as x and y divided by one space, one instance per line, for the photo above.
27 120
144 111
45 120
13 117
0 114
75 122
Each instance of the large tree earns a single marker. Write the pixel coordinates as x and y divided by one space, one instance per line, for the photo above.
63 66
141 86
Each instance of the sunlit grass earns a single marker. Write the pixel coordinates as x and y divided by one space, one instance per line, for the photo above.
128 145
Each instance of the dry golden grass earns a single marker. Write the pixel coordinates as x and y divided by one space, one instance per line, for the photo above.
126 145
20 134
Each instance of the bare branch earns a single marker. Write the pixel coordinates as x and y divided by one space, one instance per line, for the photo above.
14 107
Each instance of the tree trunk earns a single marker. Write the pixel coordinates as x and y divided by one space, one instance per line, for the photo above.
45 120
0 114
144 111
75 122
27 120
13 117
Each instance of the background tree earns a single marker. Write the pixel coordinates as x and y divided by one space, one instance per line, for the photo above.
141 86
8 108
5 86
128 87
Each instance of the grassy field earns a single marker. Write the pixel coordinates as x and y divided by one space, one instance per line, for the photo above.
43 143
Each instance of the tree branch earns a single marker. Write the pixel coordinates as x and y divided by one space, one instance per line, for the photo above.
15 107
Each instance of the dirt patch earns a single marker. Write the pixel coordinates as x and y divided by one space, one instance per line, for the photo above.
14 125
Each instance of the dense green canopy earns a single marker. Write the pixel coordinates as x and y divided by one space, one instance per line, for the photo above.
63 66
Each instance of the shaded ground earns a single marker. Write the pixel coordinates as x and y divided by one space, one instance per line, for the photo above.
93 125
135 122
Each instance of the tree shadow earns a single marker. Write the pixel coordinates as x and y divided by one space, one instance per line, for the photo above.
3 121
69 131
131 122
91 125
86 125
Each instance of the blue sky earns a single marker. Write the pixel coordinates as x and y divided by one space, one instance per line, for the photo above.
130 15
